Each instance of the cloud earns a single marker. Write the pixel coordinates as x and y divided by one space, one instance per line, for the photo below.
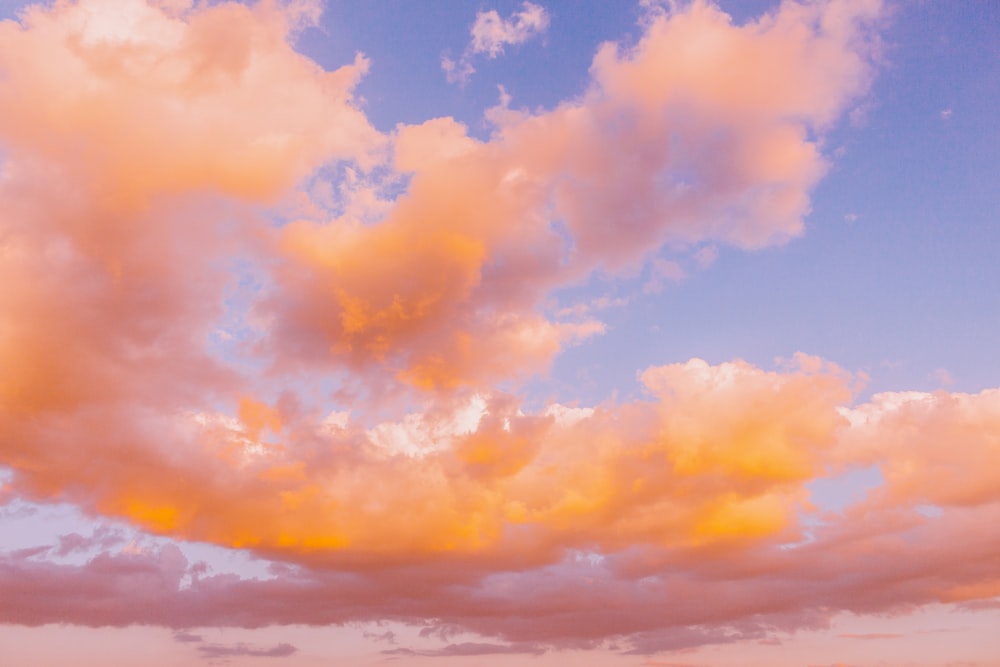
943 377
457 71
490 34
144 124
102 537
388 636
980 605
501 467
648 523
909 427
362 424
662 270
187 637
245 650
445 292
466 649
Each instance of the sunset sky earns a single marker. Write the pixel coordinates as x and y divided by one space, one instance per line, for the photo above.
500 333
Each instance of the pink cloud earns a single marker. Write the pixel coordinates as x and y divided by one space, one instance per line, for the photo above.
659 535
468 649
143 124
455 273
215 651
904 432
513 484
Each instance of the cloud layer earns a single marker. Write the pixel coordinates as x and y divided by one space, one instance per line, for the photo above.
234 312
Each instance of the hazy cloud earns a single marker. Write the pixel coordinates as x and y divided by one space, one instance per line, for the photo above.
245 650
490 34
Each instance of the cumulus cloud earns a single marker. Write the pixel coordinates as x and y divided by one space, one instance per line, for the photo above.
490 34
144 123
335 494
665 147
685 504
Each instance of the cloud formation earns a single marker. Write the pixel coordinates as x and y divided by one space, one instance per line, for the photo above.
646 600
676 531
491 34
666 147
197 342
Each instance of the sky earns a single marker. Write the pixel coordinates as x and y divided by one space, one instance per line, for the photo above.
499 333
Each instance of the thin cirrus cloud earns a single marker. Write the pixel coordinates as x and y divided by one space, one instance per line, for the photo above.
491 34
216 651
467 649
424 485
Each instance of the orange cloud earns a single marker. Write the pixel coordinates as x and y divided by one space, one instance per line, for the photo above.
914 431
214 99
141 121
716 455
668 144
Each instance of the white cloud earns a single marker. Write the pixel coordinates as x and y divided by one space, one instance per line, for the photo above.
457 71
943 377
491 33
706 256
417 434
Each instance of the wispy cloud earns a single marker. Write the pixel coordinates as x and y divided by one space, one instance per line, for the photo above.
466 649
213 651
491 34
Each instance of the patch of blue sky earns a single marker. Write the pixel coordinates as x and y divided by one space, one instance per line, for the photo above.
929 511
235 330
405 43
838 492
74 538
895 273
